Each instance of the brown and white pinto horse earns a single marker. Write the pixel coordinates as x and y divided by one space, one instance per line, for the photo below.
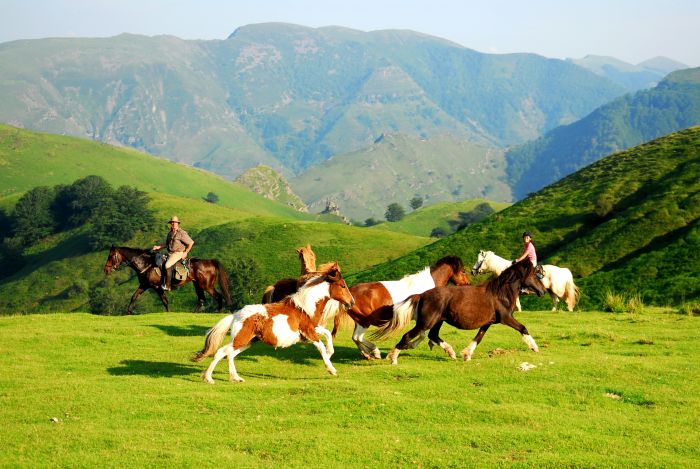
297 317
468 307
204 273
374 300
287 286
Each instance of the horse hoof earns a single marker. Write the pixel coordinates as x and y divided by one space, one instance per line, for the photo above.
236 379
332 371
208 380
377 354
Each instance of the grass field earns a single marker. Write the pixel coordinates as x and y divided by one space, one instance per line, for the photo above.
608 390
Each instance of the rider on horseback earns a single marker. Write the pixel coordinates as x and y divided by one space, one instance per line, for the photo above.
528 249
179 245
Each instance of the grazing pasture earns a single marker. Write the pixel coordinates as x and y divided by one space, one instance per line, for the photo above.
613 390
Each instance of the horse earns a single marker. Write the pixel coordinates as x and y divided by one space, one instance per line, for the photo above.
282 324
374 300
558 281
464 307
204 273
287 286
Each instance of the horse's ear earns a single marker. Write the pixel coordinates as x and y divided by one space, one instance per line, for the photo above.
308 246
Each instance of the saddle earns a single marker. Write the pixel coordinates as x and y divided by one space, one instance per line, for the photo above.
182 268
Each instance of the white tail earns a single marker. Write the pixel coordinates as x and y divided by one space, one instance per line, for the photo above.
572 294
214 339
403 314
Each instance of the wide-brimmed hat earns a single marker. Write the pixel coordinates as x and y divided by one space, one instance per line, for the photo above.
174 219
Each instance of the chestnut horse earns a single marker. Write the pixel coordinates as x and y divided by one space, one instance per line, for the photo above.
467 307
374 300
203 272
287 286
282 324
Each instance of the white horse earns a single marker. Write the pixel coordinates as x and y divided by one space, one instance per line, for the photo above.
557 280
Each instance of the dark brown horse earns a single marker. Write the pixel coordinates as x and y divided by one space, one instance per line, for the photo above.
468 307
374 300
287 286
203 272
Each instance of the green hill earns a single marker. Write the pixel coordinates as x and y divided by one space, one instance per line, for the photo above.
623 123
397 168
29 159
255 238
628 222
444 215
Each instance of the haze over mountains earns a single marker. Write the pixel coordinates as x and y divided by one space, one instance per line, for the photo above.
291 97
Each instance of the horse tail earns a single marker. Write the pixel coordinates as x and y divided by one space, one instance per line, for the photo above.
267 296
215 336
223 282
572 294
404 312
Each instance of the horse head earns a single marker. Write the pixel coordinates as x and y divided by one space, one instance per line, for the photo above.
307 258
457 273
337 288
114 260
480 258
529 276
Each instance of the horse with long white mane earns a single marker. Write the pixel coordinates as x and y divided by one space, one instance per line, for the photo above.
558 281
281 324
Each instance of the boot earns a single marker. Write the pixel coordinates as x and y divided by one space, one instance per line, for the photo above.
167 278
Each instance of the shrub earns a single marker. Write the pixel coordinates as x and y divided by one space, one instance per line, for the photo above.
106 301
622 303
690 309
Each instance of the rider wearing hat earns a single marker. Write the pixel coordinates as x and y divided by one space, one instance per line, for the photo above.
179 245
528 249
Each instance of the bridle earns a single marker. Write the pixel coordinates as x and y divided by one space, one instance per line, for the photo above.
129 263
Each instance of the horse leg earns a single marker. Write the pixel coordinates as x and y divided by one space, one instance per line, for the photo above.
163 298
404 343
469 350
200 297
510 321
137 293
329 339
517 304
225 351
367 348
434 336
555 300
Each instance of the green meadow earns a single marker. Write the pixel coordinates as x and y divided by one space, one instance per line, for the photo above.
607 390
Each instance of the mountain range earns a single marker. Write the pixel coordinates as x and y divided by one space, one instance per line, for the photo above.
360 118
284 95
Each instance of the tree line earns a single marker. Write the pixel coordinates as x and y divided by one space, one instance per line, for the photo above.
114 215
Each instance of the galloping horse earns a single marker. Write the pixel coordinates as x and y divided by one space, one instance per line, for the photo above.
558 281
374 300
203 272
287 286
468 307
281 324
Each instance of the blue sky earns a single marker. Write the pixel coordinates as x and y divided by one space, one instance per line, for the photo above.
630 30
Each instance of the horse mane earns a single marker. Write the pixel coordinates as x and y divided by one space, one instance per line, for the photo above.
323 269
453 261
500 286
311 292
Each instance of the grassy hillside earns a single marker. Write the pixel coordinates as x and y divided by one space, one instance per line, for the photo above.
29 159
623 123
444 215
608 390
398 167
615 219
254 237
